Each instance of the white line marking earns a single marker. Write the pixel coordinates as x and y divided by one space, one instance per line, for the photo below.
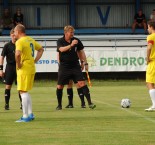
109 131
127 110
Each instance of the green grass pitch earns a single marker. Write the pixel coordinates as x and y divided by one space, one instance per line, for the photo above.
107 124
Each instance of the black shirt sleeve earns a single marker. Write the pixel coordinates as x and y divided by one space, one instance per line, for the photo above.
59 44
79 45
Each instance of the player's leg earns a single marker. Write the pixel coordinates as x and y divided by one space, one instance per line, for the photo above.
81 96
152 96
70 94
144 26
59 93
30 113
63 78
150 80
7 96
25 83
134 25
8 80
30 80
20 99
80 79
25 98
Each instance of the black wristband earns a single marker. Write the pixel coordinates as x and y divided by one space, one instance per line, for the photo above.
1 67
86 64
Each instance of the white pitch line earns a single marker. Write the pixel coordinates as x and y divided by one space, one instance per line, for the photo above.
112 131
127 110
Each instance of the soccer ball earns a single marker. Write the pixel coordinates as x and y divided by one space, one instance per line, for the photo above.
125 103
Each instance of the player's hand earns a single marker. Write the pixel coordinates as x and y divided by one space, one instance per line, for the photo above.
74 42
148 60
19 65
82 66
86 67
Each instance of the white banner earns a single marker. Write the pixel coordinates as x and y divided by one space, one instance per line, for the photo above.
99 61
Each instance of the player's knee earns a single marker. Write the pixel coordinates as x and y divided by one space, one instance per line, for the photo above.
60 87
81 83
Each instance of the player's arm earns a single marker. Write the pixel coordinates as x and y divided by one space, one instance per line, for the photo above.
18 59
58 58
1 65
3 54
149 47
68 47
81 60
82 57
39 54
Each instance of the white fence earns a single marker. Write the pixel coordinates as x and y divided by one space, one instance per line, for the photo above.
104 52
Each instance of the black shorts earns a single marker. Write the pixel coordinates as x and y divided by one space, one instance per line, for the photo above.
67 74
10 74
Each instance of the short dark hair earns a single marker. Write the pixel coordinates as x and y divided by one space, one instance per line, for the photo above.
12 31
151 24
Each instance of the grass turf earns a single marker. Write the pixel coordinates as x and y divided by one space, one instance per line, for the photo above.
108 124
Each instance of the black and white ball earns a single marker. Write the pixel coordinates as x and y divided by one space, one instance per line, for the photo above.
125 103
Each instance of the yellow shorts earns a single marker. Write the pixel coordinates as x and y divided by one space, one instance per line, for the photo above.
25 82
150 72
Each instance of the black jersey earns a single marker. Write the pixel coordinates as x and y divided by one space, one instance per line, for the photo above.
69 58
18 18
9 52
139 19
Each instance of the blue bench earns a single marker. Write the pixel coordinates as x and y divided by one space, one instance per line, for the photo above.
80 31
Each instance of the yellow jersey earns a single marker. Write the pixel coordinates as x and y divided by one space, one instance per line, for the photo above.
27 46
151 39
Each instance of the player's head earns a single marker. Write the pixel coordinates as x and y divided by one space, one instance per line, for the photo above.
18 10
19 31
12 31
140 12
69 31
12 35
151 27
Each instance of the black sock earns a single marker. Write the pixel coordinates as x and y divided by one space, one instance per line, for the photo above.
59 96
81 96
7 96
86 93
20 98
70 96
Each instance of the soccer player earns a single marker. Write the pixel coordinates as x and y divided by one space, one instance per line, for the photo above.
69 67
10 71
25 65
70 86
150 72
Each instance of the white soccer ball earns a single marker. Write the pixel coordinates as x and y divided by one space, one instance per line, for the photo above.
125 103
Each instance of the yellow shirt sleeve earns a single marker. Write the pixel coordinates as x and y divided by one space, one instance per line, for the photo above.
19 45
37 46
150 39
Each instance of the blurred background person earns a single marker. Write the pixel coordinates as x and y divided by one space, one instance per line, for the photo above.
139 21
152 16
18 17
6 20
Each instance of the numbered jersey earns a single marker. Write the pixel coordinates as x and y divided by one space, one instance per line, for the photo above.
27 46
